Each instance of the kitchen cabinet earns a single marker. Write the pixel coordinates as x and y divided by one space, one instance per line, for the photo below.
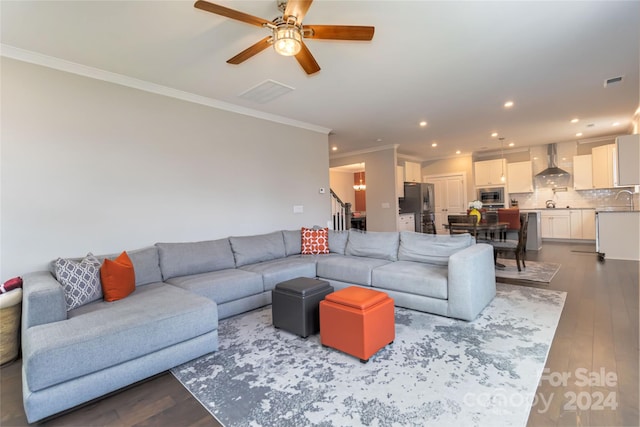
604 166
407 222
520 177
582 172
555 224
589 224
583 224
628 157
400 181
412 172
489 172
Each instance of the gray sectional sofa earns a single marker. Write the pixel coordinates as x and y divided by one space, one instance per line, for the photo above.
183 289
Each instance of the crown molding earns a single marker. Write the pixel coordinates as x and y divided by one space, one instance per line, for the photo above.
364 151
31 57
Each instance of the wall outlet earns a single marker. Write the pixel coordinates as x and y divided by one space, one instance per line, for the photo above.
385 205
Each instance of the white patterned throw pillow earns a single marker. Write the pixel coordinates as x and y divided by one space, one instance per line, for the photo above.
80 280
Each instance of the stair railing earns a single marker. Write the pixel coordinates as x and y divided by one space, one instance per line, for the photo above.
340 212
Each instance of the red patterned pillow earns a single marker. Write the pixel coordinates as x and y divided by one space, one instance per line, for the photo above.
315 241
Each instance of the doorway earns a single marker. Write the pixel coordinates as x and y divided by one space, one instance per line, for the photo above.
450 193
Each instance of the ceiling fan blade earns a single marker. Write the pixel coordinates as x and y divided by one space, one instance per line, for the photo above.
338 32
250 51
297 8
230 13
307 61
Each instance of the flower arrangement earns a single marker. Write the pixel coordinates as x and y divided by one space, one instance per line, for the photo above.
476 204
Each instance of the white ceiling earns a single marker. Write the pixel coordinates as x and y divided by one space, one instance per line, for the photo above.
451 63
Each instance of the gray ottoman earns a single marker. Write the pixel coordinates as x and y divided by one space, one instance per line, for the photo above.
295 305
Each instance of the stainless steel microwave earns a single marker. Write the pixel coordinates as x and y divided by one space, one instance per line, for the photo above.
491 196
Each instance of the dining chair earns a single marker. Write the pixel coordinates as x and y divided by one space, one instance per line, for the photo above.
463 219
512 216
515 246
429 223
491 218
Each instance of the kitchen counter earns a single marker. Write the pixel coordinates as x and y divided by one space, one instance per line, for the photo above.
618 234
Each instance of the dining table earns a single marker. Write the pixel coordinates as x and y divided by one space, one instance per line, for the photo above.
489 229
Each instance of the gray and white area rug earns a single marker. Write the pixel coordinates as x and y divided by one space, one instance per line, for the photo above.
439 371
539 272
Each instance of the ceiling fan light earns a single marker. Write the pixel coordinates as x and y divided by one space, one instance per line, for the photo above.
287 40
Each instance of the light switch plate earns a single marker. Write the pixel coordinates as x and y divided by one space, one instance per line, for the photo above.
298 209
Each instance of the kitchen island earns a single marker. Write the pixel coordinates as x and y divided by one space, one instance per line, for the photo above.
618 234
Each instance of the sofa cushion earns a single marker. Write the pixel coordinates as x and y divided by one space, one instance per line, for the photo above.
292 241
117 277
258 248
373 244
431 248
101 334
279 270
349 269
413 278
221 286
185 259
338 241
315 241
146 265
80 280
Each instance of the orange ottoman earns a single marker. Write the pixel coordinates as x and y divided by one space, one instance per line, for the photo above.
357 321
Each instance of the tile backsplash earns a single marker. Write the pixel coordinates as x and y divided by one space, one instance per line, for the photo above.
600 198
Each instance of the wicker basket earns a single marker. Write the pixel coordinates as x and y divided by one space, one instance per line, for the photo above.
10 310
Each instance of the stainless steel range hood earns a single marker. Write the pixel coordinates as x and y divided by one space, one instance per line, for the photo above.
553 176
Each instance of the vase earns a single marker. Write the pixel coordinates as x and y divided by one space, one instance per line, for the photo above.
476 213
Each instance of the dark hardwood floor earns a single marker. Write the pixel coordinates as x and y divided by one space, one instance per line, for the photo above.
592 365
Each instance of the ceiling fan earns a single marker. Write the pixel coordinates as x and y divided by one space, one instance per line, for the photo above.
287 32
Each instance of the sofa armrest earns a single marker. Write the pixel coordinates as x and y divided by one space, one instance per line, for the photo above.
42 300
471 281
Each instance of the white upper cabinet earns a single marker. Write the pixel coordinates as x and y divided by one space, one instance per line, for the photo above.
489 172
520 177
628 156
582 172
604 166
412 172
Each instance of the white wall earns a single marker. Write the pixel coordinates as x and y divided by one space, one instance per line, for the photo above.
88 165
342 185
382 200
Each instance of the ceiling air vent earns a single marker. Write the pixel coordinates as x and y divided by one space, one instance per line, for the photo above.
266 91
612 81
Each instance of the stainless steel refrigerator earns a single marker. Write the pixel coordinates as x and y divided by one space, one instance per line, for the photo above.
419 199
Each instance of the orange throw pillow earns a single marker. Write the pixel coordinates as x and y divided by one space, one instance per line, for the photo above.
315 241
118 278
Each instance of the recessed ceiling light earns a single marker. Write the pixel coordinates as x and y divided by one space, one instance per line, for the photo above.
434 144
615 124
576 120
511 144
579 134
334 148
535 158
423 123
493 135
458 151
379 140
508 104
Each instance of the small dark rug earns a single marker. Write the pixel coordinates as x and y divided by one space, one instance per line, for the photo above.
539 272
438 372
